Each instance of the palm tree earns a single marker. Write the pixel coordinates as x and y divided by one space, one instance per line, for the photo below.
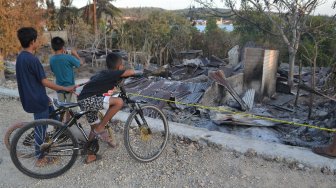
66 3
106 7
66 13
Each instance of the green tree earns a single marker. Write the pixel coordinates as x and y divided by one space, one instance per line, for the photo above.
161 32
211 25
321 29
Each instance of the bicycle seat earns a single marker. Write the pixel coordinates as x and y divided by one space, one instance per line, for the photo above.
64 104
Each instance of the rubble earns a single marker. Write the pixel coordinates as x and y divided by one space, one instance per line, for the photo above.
215 83
311 90
239 119
219 78
185 92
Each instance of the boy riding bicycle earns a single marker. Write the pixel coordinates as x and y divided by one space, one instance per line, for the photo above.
92 99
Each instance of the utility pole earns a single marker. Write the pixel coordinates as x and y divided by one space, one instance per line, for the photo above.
95 17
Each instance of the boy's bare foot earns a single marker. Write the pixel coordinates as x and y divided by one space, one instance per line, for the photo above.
105 137
92 158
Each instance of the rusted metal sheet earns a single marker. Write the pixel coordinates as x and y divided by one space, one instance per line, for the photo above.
166 89
249 98
219 77
191 98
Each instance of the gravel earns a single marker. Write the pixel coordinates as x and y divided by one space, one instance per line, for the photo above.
183 164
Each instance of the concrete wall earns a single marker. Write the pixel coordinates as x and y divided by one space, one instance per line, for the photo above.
268 83
253 62
260 71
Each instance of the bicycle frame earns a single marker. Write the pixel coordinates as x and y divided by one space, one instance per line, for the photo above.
134 106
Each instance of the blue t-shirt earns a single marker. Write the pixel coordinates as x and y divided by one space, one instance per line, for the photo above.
62 66
29 75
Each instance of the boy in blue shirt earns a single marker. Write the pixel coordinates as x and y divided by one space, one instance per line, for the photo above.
32 81
62 66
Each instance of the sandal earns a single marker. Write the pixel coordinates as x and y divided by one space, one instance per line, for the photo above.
105 137
98 157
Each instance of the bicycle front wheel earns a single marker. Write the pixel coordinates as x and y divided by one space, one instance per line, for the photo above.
146 133
44 149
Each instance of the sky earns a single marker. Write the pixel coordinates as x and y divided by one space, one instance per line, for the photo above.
181 4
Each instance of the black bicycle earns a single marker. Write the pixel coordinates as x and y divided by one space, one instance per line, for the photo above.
146 134
58 114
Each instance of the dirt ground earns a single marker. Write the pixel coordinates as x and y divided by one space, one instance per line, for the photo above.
183 164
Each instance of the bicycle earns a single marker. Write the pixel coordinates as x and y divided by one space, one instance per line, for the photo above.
58 114
140 133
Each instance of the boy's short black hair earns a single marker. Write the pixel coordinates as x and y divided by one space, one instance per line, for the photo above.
112 60
57 43
26 35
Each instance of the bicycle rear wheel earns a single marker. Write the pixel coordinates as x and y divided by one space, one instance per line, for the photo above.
44 149
146 133
10 132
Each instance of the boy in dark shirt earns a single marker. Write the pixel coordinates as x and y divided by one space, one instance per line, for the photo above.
91 98
32 81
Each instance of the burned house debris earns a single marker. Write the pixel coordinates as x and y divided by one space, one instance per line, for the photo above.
251 85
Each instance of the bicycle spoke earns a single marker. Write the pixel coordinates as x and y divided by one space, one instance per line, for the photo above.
145 141
37 156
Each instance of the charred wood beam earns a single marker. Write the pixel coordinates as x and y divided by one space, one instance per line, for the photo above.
311 90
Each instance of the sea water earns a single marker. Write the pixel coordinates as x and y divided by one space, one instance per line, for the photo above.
226 27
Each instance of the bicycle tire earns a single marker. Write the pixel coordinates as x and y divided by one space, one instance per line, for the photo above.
27 127
127 141
11 129
9 133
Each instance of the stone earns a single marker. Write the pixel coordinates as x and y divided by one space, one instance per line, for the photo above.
300 166
321 113
326 170
250 153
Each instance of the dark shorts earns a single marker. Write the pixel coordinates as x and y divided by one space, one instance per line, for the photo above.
92 104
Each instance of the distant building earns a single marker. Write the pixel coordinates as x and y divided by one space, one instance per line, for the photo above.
126 18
